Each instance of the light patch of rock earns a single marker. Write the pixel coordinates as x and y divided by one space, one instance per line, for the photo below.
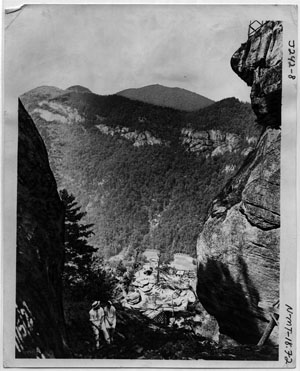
215 142
65 114
251 140
50 116
138 138
229 169
168 298
245 152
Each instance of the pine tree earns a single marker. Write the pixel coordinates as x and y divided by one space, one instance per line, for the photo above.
78 253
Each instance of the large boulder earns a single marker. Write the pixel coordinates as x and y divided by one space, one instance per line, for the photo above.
40 330
238 248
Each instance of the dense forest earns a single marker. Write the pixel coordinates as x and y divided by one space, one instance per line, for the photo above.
139 195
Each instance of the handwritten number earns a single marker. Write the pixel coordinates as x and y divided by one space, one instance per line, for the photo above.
293 43
288 319
291 63
292 59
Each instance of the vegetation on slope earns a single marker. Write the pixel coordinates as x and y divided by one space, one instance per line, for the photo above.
136 336
160 95
139 196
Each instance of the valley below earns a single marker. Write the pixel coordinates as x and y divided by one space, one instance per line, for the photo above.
159 317
170 211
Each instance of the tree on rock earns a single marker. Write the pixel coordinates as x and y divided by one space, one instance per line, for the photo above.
78 253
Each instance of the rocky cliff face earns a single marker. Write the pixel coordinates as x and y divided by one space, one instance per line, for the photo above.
238 248
39 314
259 63
216 142
137 138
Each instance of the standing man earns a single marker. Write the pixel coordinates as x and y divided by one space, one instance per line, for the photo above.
97 321
110 319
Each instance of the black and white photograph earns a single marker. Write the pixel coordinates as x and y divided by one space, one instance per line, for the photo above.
149 185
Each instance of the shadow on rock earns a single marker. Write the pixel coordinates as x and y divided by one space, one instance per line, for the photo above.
232 303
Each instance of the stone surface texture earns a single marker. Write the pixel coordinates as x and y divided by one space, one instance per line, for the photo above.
215 142
40 330
238 248
259 63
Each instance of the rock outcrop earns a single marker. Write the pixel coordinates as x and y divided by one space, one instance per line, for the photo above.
238 248
259 63
216 142
137 138
40 218
168 297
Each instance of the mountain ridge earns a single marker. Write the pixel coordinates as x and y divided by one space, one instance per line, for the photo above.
79 89
156 94
173 97
141 171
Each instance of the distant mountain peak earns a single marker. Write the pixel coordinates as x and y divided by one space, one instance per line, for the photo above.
165 96
79 89
44 92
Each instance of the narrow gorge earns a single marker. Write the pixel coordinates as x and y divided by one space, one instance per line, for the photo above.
196 185
238 247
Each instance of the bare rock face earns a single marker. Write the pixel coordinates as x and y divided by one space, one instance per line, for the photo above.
259 63
39 315
212 142
238 248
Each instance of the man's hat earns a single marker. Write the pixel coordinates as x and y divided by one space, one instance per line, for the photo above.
95 304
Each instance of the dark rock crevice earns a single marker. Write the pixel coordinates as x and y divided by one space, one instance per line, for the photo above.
261 207
253 225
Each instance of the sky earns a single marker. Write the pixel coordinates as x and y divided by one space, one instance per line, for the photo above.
108 48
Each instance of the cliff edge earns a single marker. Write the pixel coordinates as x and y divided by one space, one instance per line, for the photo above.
40 330
238 248
259 63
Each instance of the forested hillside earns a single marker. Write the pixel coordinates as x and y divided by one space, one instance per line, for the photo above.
144 174
160 95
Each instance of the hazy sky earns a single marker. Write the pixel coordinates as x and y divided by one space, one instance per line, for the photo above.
108 48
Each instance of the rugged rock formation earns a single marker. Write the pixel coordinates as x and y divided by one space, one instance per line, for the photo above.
137 138
39 313
238 248
216 142
259 63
